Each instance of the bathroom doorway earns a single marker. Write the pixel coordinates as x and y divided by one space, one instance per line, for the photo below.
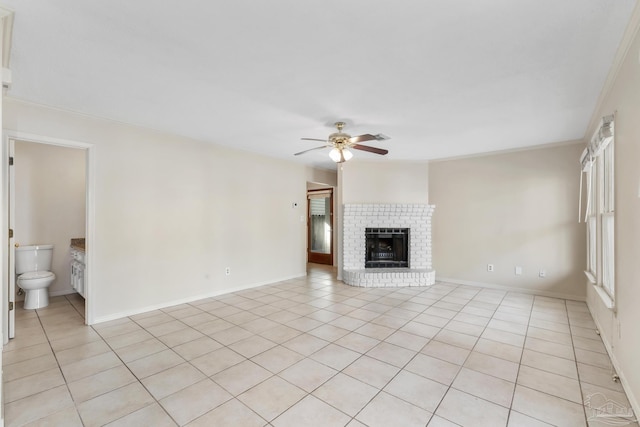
49 194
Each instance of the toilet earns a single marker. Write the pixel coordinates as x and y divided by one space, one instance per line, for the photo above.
32 267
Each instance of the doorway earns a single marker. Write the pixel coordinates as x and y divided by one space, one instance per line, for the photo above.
58 217
320 226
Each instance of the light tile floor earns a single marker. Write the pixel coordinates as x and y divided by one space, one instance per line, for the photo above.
315 352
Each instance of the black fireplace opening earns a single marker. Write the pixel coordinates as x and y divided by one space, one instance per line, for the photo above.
387 247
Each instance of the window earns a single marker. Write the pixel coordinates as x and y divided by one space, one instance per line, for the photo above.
600 212
607 218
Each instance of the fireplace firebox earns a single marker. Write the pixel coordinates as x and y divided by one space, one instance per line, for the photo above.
387 247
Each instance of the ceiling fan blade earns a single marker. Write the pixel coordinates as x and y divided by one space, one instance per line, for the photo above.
370 149
310 149
362 138
314 139
368 137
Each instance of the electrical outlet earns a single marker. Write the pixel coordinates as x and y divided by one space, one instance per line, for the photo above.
518 271
227 271
542 274
490 267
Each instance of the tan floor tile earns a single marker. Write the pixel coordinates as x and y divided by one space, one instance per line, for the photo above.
26 353
217 361
231 413
433 368
485 386
407 340
80 352
550 383
346 393
129 338
548 347
154 363
103 382
90 366
516 419
447 352
307 374
335 357
37 406
151 415
241 377
305 344
32 384
171 380
272 397
494 366
194 401
67 417
546 362
166 328
371 371
387 410
252 346
500 350
197 348
417 390
138 351
547 408
277 359
468 410
357 342
230 335
29 367
182 336
311 412
113 405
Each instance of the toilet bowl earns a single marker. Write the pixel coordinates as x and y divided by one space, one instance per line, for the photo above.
32 267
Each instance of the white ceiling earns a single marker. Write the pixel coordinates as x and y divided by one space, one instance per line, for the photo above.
443 78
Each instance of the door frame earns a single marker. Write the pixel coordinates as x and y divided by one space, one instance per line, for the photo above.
316 257
9 188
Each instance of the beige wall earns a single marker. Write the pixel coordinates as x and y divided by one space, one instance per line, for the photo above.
385 182
50 202
620 329
172 213
512 209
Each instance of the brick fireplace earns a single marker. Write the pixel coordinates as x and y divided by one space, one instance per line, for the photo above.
360 219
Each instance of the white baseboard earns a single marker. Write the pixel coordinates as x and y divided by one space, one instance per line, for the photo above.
633 400
141 310
512 289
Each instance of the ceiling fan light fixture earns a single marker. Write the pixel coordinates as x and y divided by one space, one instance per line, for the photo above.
347 154
335 155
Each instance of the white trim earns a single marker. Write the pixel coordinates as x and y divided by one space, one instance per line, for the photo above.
511 289
133 312
606 298
590 277
633 400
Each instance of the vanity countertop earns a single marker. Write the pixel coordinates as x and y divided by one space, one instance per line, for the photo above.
78 244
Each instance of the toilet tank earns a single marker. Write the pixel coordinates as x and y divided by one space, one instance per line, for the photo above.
33 258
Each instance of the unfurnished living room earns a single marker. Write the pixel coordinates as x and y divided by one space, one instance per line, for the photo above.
320 213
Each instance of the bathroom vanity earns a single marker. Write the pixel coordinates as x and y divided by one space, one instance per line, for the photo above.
78 261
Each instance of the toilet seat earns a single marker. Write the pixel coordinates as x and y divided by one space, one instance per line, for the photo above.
36 275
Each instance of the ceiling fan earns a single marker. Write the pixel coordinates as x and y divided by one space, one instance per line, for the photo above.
341 143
